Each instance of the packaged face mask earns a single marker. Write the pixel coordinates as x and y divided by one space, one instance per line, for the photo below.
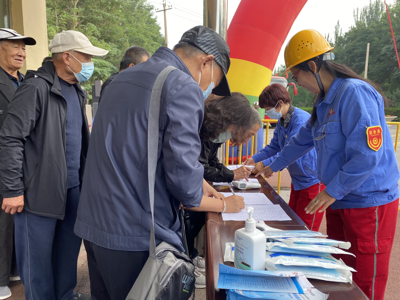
313 294
316 241
282 247
317 273
229 252
293 234
326 261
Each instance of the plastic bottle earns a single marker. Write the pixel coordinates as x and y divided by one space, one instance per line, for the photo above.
250 246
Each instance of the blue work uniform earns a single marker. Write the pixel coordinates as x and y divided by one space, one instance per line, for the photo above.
304 170
354 174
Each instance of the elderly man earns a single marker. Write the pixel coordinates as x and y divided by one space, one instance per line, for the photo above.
12 58
43 145
133 56
114 213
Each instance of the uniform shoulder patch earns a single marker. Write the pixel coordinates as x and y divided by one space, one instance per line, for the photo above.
374 137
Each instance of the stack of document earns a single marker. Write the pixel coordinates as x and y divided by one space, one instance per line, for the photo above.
234 167
251 180
264 209
246 285
311 255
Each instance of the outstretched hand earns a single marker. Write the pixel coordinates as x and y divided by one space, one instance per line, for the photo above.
266 172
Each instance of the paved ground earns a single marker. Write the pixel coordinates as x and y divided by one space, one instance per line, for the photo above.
392 293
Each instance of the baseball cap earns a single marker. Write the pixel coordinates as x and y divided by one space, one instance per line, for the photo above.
10 34
210 42
74 40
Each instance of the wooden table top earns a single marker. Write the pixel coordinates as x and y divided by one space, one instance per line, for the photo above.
219 232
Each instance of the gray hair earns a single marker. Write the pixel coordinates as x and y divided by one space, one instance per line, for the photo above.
235 110
190 51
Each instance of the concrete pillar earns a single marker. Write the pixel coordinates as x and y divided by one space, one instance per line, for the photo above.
216 16
28 17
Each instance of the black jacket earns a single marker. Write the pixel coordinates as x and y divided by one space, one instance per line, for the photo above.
7 91
213 170
32 144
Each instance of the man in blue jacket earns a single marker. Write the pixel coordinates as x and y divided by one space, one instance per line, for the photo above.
114 212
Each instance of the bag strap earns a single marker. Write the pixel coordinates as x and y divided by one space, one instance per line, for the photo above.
152 145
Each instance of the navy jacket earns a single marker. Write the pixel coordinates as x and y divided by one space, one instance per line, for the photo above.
114 210
304 170
355 173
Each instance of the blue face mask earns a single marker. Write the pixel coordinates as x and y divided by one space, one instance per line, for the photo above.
86 72
223 137
273 114
208 91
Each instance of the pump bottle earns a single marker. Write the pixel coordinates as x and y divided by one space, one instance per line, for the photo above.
250 246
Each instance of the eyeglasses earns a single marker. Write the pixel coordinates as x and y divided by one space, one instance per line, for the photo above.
294 77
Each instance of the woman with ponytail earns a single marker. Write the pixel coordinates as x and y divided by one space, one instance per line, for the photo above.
355 158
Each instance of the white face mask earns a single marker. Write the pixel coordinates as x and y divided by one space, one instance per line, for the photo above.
86 71
223 137
273 114
208 91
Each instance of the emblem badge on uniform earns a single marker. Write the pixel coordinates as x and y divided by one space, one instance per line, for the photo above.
330 113
374 137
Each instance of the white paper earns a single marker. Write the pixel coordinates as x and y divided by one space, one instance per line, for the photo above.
261 212
252 198
234 167
251 180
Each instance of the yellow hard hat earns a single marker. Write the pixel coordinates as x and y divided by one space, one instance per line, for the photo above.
304 45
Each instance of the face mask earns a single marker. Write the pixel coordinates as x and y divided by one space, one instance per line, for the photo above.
223 137
86 72
273 114
208 91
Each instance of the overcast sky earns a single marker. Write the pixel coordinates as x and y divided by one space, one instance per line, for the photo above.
321 15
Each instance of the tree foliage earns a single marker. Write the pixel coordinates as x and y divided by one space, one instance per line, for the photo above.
371 25
113 25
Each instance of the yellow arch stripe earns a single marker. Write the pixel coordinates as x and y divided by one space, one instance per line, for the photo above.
247 77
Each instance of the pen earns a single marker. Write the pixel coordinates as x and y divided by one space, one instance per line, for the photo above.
230 187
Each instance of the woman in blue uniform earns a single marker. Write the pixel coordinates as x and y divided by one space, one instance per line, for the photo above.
275 99
355 158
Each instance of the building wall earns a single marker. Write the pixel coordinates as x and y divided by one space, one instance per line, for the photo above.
28 17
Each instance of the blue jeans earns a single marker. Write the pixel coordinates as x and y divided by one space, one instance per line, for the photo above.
47 252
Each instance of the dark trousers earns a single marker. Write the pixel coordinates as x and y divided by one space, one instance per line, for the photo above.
113 272
47 252
7 257
193 227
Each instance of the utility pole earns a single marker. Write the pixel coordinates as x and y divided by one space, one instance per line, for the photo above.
166 7
366 62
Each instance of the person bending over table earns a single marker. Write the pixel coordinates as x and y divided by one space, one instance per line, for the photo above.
356 158
229 118
275 99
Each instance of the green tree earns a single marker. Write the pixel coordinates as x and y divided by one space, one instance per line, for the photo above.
113 25
372 26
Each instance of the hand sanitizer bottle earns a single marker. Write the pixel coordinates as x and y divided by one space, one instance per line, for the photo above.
250 246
